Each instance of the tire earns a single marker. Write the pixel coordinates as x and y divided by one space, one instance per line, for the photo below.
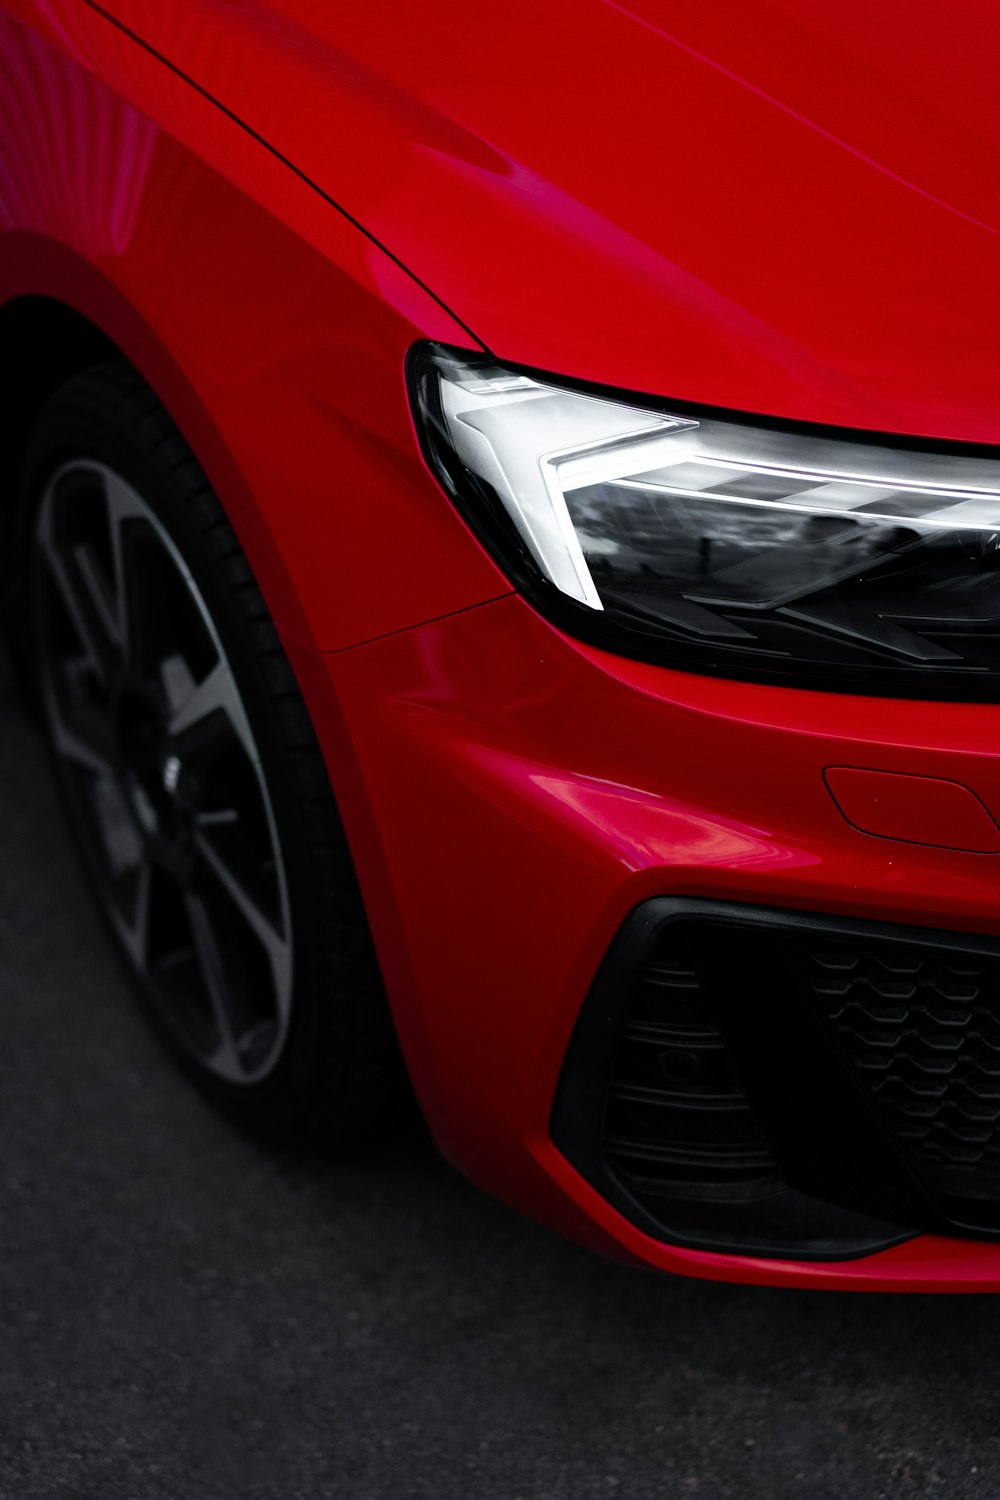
194 784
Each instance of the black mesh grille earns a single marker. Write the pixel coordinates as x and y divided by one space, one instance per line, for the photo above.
922 1030
678 1120
675 1101
789 1083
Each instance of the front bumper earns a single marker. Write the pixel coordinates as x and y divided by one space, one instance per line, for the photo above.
513 796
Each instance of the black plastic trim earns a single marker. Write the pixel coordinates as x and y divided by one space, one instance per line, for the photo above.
838 1164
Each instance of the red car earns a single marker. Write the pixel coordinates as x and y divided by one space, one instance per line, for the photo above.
501 527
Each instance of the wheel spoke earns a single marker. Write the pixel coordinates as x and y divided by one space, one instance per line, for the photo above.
87 747
275 944
215 694
87 570
77 602
218 817
135 928
123 506
226 1056
177 682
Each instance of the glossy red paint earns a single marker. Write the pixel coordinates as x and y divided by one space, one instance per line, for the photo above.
547 789
782 207
275 345
509 794
916 809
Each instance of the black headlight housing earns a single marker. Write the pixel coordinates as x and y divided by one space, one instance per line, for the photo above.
789 555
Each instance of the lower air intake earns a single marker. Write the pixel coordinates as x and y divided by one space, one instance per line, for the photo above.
782 1083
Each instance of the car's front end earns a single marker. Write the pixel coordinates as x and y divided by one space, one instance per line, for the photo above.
610 428
782 856
702 969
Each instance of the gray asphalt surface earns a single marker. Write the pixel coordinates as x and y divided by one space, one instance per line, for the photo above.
183 1314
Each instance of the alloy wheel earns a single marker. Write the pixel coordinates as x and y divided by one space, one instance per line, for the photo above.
162 771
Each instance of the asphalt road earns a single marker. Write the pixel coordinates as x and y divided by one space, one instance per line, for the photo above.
183 1314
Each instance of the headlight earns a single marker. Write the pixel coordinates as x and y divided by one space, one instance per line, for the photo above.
724 547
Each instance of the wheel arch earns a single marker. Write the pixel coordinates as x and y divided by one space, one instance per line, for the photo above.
60 315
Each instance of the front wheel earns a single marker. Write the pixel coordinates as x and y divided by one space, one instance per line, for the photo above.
195 788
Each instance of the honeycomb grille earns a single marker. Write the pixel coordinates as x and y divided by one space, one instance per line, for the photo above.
921 1027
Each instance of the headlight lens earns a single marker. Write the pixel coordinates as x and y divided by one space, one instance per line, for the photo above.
724 547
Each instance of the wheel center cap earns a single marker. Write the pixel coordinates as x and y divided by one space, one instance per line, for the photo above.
170 775
150 771
155 796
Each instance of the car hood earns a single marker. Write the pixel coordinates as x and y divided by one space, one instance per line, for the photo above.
787 208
